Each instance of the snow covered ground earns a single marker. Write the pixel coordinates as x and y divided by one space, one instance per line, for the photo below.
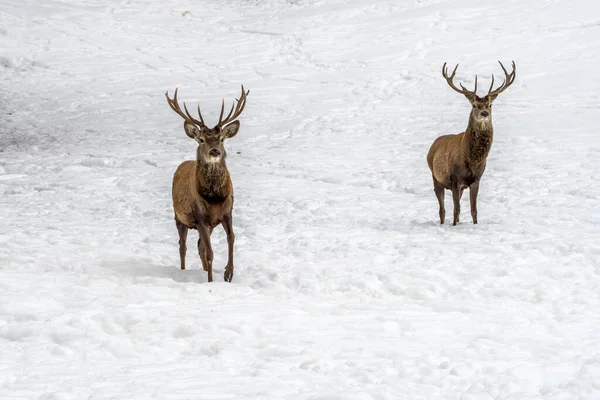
346 287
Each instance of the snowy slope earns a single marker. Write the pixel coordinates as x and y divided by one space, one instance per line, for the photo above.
345 286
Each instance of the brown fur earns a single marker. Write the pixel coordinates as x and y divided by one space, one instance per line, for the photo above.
203 196
458 161
202 190
199 190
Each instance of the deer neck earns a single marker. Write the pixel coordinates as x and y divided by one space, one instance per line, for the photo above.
478 140
212 179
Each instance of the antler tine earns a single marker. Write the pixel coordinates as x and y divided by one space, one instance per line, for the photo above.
450 81
230 112
201 122
200 115
445 71
221 120
467 90
239 107
491 85
247 93
174 104
508 80
222 109
241 102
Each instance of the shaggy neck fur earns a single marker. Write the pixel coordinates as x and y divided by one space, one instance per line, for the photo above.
478 139
212 178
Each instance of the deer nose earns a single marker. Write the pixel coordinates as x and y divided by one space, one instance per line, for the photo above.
484 114
214 153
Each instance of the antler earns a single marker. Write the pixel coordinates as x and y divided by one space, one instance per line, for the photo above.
508 80
174 104
239 107
450 78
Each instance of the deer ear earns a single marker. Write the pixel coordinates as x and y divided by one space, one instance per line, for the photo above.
191 130
231 130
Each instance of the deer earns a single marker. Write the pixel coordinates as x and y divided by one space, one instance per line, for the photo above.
458 161
202 190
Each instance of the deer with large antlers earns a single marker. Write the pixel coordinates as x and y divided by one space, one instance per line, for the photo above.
202 189
458 161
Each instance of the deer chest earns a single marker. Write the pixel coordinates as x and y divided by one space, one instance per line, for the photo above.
465 175
211 211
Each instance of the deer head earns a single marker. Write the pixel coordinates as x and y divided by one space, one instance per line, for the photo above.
210 141
482 106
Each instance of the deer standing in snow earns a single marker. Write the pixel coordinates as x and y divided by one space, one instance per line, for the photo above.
458 161
202 189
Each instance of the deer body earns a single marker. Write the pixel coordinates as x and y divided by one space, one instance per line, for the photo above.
458 161
461 157
202 190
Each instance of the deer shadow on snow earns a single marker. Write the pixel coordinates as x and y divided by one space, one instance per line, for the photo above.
142 269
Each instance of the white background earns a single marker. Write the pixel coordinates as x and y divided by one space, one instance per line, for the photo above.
346 287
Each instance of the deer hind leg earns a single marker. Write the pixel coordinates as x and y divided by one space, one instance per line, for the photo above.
439 193
473 192
183 231
228 226
205 250
456 193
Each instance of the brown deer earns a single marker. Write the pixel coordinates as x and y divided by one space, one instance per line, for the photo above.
458 161
202 189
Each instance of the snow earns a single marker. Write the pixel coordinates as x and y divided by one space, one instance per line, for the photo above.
345 285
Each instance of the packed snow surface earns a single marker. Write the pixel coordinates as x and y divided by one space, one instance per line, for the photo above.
346 287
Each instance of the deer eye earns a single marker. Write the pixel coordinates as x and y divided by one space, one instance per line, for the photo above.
201 140
222 140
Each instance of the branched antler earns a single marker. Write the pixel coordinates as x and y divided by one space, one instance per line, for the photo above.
450 81
239 107
174 104
508 80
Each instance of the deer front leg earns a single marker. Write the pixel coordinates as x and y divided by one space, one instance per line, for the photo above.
202 252
228 226
205 250
183 231
473 191
439 193
456 192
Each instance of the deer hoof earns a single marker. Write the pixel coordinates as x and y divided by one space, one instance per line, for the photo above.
227 277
